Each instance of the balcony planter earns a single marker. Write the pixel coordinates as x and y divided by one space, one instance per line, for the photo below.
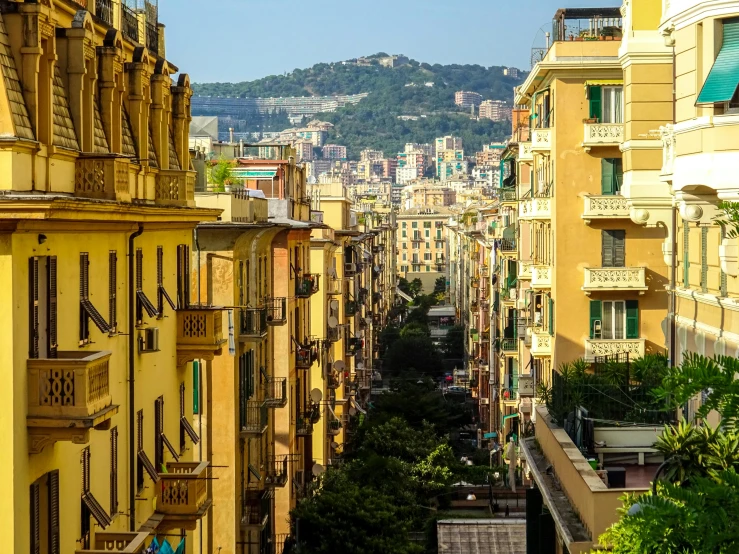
728 253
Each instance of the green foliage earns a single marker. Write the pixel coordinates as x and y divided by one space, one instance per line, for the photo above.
220 175
414 330
453 345
374 123
414 352
728 219
415 286
440 285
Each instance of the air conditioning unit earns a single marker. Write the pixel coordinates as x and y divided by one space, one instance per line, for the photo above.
484 401
350 270
149 340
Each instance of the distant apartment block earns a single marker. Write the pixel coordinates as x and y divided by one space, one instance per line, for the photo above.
406 174
491 154
316 168
301 106
511 72
334 152
449 169
427 194
304 150
465 99
416 147
394 61
370 155
389 168
447 143
496 110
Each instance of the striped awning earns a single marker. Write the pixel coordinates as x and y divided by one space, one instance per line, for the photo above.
723 79
604 82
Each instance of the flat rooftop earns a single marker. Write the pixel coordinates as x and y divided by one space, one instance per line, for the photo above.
488 536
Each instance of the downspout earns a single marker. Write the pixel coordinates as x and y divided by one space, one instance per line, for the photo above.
673 262
131 387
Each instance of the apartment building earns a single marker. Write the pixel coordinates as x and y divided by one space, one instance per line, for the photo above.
491 154
101 331
447 143
421 244
467 100
495 110
405 175
334 152
369 155
303 150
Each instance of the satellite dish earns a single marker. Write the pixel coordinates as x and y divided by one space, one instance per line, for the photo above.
334 305
339 365
334 445
352 411
377 269
318 469
360 365
316 395
333 322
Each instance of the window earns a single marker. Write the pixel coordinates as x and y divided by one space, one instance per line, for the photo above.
161 292
439 244
405 256
427 225
428 245
613 248
704 259
404 225
114 471
186 428
427 255
87 310
405 246
614 319
404 234
414 224
42 300
112 291
246 382
143 304
438 224
438 234
45 514
160 439
611 175
90 505
143 463
428 268
427 234
686 253
606 103
183 276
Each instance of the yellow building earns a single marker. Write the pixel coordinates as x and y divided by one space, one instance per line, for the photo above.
421 244
97 220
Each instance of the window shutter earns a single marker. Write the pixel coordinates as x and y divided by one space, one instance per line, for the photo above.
183 276
35 517
196 387
551 316
158 431
632 319
704 259
114 471
33 326
618 175
596 315
607 249
242 392
52 314
606 176
54 542
84 292
596 100
112 290
250 373
619 248
686 253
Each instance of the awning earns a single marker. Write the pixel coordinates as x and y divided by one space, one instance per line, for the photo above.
490 435
509 417
723 78
260 173
604 82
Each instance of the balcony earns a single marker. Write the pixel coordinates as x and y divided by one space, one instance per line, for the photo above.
524 270
615 278
129 23
174 187
253 323
541 344
524 152
276 311
350 308
277 470
256 507
306 285
199 334
603 134
303 357
508 195
353 345
541 277
335 333
536 208
118 543
182 495
104 11
275 392
508 246
305 422
253 417
635 348
541 140
102 177
509 345
332 380
333 427
68 396
334 287
606 206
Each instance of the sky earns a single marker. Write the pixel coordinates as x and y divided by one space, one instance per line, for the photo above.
242 40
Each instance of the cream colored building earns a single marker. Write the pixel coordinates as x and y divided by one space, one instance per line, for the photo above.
422 249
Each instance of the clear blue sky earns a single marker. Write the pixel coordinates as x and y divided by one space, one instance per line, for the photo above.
237 40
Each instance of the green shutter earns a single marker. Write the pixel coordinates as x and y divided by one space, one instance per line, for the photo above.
595 94
618 175
606 176
196 387
723 78
596 314
551 316
704 259
514 322
686 253
632 319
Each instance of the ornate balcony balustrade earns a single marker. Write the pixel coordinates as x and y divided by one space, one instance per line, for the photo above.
541 344
199 334
606 206
615 278
603 134
541 140
635 348
541 277
535 208
182 494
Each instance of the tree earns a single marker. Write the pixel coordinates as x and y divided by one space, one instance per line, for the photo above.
453 344
220 175
416 286
440 285
728 218
414 330
405 286
414 352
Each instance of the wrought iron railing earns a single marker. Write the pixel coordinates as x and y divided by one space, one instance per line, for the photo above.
129 21
104 10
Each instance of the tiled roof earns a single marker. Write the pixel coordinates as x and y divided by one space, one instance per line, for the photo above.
18 108
101 141
174 163
152 152
129 147
488 536
64 133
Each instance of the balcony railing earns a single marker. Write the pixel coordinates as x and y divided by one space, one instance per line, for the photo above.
306 285
607 206
255 509
541 140
129 23
603 134
275 392
333 427
103 177
535 208
509 345
276 310
118 543
334 334
152 38
508 245
253 323
508 195
304 424
334 287
199 333
277 471
350 308
253 417
541 277
104 11
303 357
68 396
635 348
332 380
524 152
182 492
524 270
353 345
174 187
541 344
615 278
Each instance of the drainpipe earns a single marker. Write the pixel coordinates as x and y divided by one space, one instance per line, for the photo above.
131 387
673 264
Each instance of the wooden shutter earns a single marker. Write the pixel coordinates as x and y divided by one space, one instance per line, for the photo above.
54 524
162 293
606 176
596 101
607 249
158 433
35 517
551 315
250 373
686 253
596 315
618 175
183 276
704 259
196 387
242 392
632 319
84 291
33 299
114 471
52 312
619 248
112 290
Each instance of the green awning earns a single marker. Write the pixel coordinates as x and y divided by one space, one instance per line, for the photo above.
263 173
723 78
509 417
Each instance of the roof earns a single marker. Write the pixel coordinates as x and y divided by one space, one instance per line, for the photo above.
492 536
442 311
587 13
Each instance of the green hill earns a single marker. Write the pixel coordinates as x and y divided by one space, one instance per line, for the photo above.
393 92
